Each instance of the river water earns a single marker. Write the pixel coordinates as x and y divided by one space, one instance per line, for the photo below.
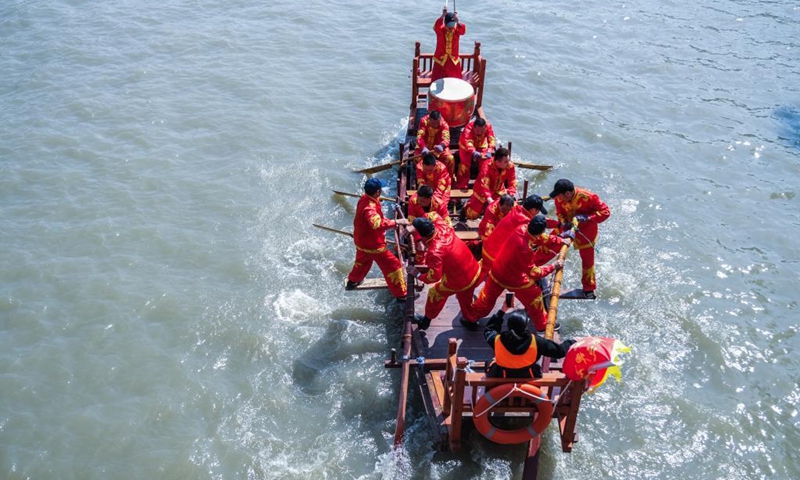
168 311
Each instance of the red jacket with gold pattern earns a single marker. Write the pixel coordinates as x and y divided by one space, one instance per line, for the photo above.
369 225
517 219
515 266
439 180
491 217
588 203
469 142
493 182
416 210
429 136
546 247
447 40
449 260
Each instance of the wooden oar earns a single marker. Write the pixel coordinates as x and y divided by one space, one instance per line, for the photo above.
385 166
378 168
341 232
355 195
531 166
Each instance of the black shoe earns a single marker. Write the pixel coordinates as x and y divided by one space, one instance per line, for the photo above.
589 294
422 321
468 325
352 285
462 215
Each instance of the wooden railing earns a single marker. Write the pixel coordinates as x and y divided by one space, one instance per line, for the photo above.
555 385
473 68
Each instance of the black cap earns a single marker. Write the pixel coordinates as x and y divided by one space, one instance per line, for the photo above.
537 225
424 226
373 185
562 186
517 321
449 18
534 201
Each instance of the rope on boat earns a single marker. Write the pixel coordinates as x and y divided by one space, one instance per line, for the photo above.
515 389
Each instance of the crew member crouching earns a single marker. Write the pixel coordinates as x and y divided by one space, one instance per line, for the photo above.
517 350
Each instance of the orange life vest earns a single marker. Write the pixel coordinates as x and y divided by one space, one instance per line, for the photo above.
508 360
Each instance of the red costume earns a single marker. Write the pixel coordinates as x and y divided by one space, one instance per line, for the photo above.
490 219
515 270
515 223
446 62
369 235
453 269
490 184
469 143
438 180
587 203
429 136
416 210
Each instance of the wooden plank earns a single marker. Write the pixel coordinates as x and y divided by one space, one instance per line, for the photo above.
372 284
455 194
467 235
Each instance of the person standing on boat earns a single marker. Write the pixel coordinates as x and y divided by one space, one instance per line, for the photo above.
475 145
369 235
512 224
517 271
433 136
433 173
495 178
446 62
517 350
423 203
495 212
451 267
578 206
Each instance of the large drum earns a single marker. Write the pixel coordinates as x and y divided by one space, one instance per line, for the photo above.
453 98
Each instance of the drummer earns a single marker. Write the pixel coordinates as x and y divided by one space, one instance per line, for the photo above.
476 145
433 137
446 62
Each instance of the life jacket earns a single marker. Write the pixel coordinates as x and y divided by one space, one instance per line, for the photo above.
506 360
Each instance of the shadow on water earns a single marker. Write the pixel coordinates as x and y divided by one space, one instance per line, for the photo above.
789 116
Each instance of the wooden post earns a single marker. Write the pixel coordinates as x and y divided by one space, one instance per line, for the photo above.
524 190
567 424
457 408
405 369
531 469
452 347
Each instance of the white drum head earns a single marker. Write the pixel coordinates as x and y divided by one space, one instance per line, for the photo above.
451 89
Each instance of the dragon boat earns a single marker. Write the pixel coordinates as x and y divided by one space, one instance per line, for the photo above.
447 361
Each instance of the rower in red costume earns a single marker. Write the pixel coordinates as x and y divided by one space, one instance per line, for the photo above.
515 269
495 178
495 212
512 224
475 145
579 206
433 173
446 62
423 202
369 235
433 136
451 267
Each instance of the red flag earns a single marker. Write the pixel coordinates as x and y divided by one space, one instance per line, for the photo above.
594 359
